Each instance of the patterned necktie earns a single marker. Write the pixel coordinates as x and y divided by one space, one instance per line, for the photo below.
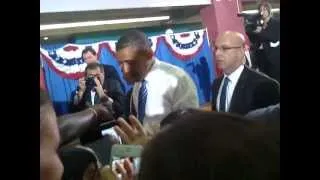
143 93
222 105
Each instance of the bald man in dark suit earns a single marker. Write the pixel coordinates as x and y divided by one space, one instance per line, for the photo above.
240 89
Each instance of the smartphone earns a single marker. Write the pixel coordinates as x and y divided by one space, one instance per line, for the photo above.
119 152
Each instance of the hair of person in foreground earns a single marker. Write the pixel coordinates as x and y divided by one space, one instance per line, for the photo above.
211 145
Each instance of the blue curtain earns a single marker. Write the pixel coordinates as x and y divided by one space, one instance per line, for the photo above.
200 67
59 89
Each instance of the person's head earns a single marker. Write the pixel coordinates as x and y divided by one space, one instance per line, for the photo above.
50 165
95 70
89 55
230 51
80 163
265 10
175 116
210 145
134 54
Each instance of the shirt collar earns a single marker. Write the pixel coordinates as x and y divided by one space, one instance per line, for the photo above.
234 76
154 66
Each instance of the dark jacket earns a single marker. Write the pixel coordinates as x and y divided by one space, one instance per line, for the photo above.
254 90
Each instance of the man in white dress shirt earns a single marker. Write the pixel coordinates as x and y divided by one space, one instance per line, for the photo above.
158 87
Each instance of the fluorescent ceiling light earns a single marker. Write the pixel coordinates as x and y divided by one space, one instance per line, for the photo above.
96 23
256 11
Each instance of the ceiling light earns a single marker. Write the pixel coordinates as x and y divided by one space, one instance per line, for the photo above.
45 38
96 23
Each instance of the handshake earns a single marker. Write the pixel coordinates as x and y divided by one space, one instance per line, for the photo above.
131 131
104 111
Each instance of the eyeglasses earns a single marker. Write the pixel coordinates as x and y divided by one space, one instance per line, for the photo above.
225 48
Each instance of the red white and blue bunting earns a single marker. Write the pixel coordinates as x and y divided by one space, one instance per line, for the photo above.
189 50
68 63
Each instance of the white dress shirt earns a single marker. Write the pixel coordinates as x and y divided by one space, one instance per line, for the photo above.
93 94
233 80
169 88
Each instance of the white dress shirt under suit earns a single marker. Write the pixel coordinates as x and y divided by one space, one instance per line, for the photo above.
169 88
233 79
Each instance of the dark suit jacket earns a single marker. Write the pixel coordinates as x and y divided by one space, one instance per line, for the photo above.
113 85
254 90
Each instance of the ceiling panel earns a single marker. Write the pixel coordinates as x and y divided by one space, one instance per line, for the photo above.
179 15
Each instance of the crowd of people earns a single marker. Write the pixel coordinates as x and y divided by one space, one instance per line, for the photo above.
239 138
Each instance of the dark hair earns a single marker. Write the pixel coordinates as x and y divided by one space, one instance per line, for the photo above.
210 145
266 5
75 161
92 66
174 116
88 49
133 38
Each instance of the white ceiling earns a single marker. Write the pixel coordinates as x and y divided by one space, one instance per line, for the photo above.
48 6
178 15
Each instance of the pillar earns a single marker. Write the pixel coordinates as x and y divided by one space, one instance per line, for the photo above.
221 16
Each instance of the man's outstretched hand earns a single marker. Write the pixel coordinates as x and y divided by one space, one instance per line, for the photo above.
104 110
132 133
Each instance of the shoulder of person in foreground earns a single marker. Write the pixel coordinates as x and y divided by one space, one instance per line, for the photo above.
211 145
268 113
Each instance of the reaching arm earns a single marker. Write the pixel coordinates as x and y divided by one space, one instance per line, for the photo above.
74 125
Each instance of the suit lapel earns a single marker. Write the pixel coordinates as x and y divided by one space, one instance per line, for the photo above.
238 91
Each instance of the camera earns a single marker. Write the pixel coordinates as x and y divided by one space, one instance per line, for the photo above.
90 83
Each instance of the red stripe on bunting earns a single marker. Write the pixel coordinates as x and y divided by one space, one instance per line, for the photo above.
76 75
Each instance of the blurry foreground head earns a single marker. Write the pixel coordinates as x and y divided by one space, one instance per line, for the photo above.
50 165
80 163
210 145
